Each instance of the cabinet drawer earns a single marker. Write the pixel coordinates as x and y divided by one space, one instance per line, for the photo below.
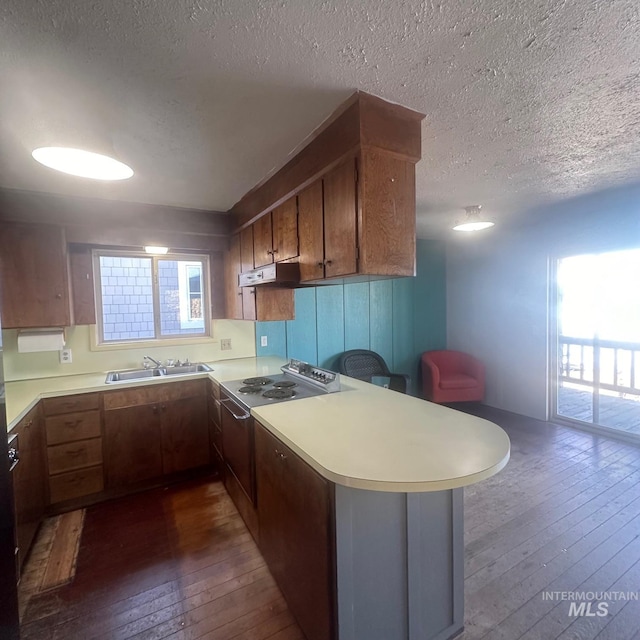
71 404
75 484
72 427
74 455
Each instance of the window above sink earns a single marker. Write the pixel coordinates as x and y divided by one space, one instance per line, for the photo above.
141 297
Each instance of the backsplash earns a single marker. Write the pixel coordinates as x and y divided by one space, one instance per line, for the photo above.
23 366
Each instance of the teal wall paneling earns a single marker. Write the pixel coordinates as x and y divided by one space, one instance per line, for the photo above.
302 339
356 316
399 318
403 320
381 319
276 338
330 325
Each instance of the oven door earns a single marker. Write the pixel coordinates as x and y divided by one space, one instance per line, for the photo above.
237 443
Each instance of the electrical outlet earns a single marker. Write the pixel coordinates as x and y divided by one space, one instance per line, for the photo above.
65 356
225 344
264 341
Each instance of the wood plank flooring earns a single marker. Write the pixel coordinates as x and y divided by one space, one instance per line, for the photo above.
563 516
179 563
175 563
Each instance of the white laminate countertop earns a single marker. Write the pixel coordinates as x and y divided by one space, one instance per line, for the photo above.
364 437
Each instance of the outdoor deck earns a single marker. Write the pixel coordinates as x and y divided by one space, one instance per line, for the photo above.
615 412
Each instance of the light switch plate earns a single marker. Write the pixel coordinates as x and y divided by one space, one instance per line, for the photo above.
264 341
65 356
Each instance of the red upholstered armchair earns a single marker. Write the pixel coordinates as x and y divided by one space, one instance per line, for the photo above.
452 376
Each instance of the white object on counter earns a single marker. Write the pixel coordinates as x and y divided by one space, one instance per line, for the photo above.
35 340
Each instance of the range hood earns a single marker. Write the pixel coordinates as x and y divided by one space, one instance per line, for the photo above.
281 274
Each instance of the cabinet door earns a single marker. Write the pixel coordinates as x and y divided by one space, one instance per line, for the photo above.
310 224
295 519
35 285
340 238
249 303
185 434
285 230
262 241
132 446
387 233
233 293
29 481
246 249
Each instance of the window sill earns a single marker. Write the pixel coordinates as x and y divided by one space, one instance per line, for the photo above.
144 344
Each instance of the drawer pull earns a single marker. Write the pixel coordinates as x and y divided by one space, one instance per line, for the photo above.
75 479
74 452
73 424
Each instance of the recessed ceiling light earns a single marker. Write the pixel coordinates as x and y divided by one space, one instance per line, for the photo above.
473 221
159 250
85 164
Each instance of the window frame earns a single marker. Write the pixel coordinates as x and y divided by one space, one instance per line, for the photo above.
155 260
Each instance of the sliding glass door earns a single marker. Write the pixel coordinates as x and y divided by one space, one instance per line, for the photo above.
597 364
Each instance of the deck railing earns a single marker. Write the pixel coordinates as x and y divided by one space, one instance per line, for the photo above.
609 365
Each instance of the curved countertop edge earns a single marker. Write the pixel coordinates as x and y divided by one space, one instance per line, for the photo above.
388 486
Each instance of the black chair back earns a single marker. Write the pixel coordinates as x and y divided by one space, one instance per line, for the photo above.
362 364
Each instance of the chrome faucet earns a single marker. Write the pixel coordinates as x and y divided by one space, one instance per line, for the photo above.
146 364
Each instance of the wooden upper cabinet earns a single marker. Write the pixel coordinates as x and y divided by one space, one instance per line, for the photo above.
340 238
328 225
284 220
246 249
311 230
262 241
233 292
35 283
275 235
388 229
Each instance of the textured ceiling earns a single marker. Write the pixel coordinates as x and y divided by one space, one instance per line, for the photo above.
527 101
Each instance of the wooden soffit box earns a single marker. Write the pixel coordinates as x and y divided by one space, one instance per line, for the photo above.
362 122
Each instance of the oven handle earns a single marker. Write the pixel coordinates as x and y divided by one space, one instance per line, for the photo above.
228 403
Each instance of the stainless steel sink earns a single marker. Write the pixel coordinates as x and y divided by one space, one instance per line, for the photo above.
142 374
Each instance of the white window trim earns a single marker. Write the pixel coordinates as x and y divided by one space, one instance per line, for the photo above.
98 332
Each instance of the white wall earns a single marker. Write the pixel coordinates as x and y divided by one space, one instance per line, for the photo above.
498 290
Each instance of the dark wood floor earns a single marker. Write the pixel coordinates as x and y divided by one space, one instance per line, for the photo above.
563 516
175 563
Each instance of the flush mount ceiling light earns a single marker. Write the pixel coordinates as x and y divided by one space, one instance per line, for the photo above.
85 164
473 220
157 250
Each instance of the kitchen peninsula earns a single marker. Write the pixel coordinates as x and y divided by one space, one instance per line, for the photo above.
363 486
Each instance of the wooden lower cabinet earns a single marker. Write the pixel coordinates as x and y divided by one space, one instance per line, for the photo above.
29 481
295 516
154 431
185 434
133 451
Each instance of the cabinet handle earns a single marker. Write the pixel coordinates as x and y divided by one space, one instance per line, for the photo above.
252 292
164 407
280 455
328 262
274 251
321 264
74 452
59 296
269 252
155 408
74 480
72 424
28 424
